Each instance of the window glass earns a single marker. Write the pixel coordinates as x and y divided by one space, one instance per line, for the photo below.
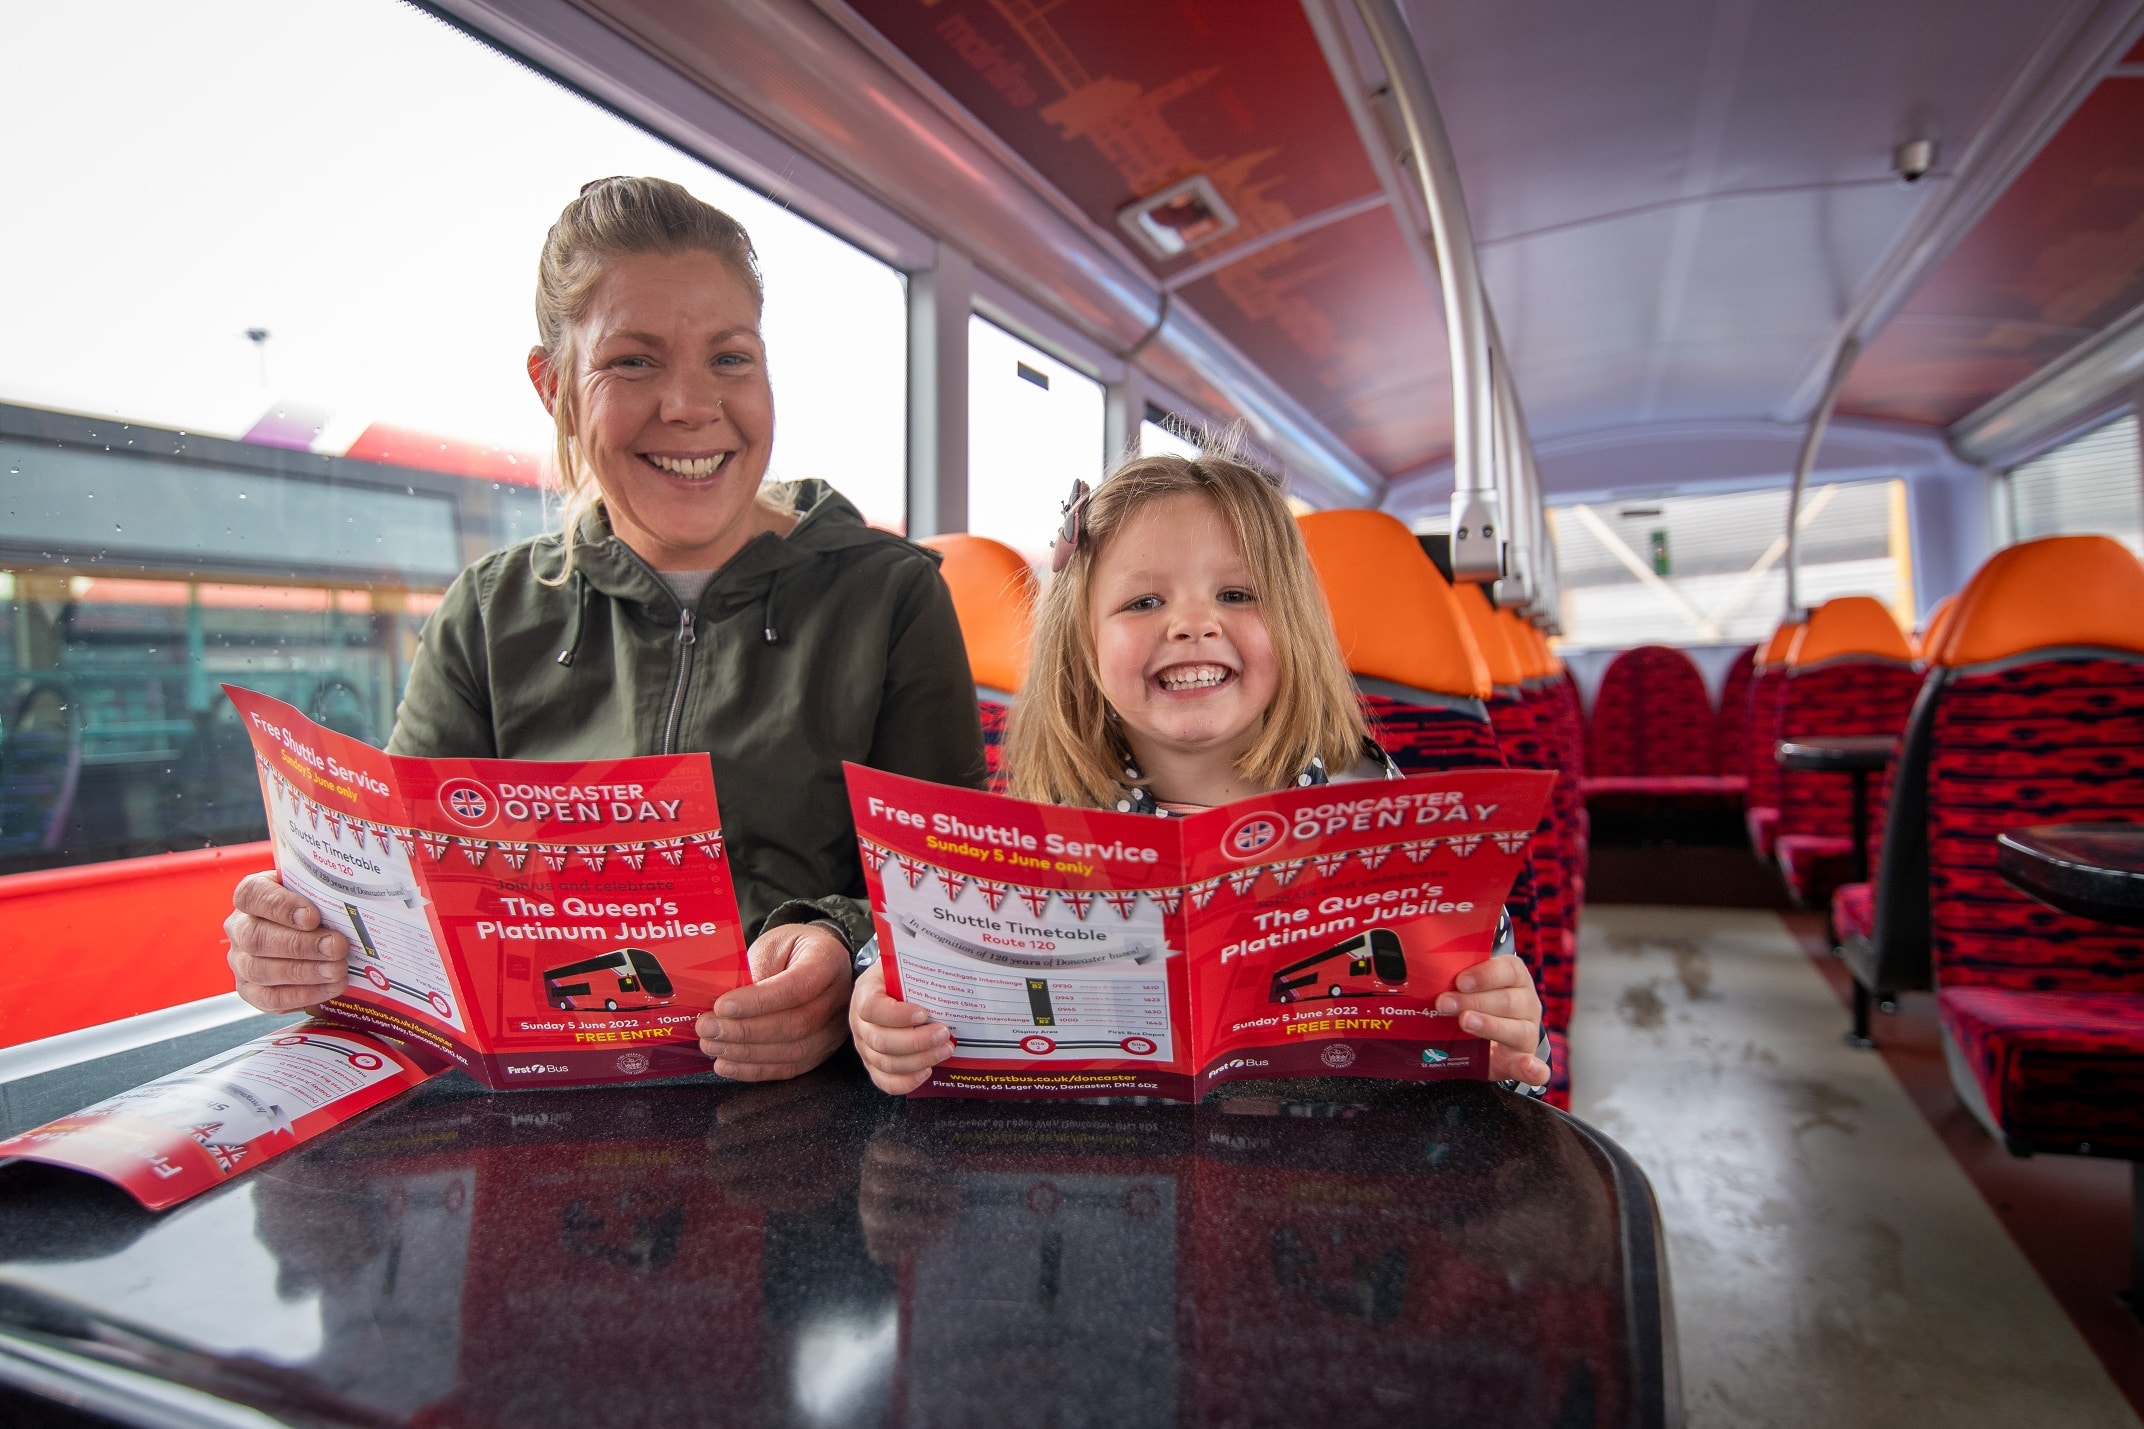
2088 484
1035 426
1700 570
1163 439
266 237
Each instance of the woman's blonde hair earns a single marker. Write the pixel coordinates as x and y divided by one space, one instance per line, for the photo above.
1066 745
616 218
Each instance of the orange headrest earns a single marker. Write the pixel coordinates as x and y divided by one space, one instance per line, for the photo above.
1775 650
1525 645
1930 637
1491 636
994 596
2056 591
1396 617
1850 625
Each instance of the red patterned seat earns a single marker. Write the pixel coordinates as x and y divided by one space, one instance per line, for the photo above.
1651 717
994 596
1853 910
1730 725
1424 683
2037 716
1761 732
1850 671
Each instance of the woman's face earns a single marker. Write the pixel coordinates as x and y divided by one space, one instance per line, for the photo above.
1185 657
675 417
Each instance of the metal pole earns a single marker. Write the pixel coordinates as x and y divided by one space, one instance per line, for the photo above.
1476 537
1818 420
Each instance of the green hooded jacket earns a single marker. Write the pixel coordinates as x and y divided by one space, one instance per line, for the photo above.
837 642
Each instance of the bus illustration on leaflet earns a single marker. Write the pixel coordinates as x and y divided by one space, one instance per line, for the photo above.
621 980
1375 963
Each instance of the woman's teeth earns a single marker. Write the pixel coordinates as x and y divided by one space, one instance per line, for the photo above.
1193 677
698 466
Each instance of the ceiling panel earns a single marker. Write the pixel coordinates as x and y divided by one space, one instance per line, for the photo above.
2058 257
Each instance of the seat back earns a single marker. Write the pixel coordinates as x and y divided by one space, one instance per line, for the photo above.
1651 716
2038 717
1850 672
994 596
1768 680
1730 728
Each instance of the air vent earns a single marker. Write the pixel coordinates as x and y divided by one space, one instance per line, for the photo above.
1178 219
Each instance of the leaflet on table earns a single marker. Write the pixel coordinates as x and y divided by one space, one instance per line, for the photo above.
1075 952
542 923
188 1132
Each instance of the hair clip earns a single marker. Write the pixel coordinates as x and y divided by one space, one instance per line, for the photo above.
1066 541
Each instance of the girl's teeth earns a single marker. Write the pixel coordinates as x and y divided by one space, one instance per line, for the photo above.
1199 679
697 466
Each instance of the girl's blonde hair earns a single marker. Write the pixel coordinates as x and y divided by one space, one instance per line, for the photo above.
1066 745
616 218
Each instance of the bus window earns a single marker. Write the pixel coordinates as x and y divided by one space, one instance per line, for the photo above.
1034 427
2088 484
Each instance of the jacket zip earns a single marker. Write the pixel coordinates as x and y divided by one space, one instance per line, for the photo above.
686 640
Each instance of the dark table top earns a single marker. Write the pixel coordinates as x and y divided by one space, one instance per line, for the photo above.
815 1252
1838 753
2092 870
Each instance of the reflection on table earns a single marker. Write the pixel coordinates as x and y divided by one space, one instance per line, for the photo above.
817 1253
2092 870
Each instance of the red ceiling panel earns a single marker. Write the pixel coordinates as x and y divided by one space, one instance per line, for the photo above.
1115 99
1343 321
2059 257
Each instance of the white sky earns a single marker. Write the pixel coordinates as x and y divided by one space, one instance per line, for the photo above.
372 188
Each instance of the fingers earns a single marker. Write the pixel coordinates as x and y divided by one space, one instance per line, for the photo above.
1517 1002
898 1041
260 895
256 937
1494 973
897 1083
750 1062
792 967
285 999
1506 1065
1511 1032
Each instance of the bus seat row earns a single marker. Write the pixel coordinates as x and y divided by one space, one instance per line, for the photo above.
1760 769
1655 740
2031 711
1849 671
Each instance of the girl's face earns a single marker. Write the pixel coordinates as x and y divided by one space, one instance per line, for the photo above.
675 415
1186 659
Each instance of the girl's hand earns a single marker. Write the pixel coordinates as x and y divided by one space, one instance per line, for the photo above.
898 1041
1496 1000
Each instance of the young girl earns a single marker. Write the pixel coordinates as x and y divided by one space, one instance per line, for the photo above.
1183 658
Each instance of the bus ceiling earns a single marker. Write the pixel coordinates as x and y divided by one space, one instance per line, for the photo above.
1689 249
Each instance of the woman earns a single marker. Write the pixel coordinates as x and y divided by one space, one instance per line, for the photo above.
683 607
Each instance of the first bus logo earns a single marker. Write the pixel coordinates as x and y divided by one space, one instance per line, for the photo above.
468 803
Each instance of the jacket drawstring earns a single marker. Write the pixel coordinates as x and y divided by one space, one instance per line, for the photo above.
767 611
574 619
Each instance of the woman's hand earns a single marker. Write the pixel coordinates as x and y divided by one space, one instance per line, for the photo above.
788 1020
897 1040
281 956
1496 1000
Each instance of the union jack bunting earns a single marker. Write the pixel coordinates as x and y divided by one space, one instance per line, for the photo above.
1511 843
408 839
709 844
952 883
1284 873
381 834
1202 893
435 845
635 855
475 850
593 855
672 850
1242 881
1078 900
554 856
313 811
1420 850
874 854
334 826
1124 902
516 855
1036 899
1167 899
912 871
1464 844
993 893
1328 864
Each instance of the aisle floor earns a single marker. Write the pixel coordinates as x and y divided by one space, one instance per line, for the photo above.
1832 1264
